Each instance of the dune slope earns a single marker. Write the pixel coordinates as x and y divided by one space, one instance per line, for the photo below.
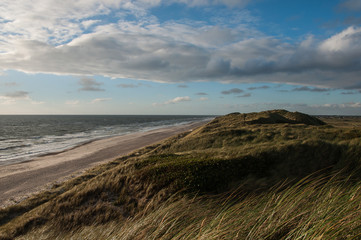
173 189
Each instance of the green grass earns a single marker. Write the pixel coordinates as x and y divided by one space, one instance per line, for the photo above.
216 182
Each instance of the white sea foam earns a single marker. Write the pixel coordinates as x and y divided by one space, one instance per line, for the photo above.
25 140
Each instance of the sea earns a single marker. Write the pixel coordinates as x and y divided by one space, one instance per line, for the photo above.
23 137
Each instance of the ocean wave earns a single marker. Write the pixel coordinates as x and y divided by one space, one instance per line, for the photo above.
54 136
14 147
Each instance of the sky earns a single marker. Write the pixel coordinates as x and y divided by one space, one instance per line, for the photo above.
206 57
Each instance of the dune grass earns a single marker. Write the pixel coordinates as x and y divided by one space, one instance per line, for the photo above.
313 208
184 187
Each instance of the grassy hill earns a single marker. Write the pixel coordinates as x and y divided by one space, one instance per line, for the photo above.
267 175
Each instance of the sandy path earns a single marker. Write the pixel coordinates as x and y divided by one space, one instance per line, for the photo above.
19 180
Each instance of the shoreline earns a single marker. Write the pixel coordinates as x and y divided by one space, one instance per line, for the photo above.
53 146
20 180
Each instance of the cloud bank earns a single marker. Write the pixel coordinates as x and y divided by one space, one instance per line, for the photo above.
63 37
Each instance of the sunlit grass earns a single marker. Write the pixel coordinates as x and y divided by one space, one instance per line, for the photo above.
314 208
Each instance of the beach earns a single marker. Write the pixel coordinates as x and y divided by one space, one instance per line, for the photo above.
21 180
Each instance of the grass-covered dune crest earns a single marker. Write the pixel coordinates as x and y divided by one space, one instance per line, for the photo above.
268 175
272 117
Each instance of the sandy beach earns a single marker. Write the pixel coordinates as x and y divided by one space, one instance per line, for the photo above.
18 181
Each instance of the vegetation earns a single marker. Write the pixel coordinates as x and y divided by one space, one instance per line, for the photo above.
268 175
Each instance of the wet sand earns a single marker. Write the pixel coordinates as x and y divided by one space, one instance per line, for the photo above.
18 181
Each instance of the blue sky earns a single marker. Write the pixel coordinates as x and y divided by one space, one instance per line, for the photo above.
180 57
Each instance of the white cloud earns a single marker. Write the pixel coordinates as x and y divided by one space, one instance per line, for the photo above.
347 41
57 22
144 54
178 100
174 101
97 100
341 105
203 99
50 36
6 101
88 23
354 104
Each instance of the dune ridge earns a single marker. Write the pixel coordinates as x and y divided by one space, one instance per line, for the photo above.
230 178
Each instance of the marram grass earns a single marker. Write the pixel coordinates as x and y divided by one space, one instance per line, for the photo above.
184 187
314 208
